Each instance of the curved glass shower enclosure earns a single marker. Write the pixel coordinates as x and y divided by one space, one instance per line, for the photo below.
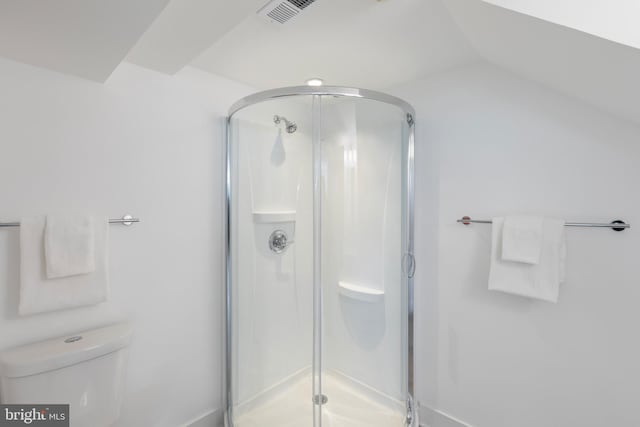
319 295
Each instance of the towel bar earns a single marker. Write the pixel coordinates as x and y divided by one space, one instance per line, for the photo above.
125 220
616 225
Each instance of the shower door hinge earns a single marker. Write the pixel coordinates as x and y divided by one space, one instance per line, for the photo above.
409 265
410 412
320 399
409 119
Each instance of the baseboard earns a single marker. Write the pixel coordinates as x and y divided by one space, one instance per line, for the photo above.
430 417
210 419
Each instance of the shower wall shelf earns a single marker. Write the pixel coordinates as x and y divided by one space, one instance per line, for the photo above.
267 217
360 293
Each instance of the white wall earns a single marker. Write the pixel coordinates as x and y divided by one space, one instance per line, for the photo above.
145 144
491 144
488 144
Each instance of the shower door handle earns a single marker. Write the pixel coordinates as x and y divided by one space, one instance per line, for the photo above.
409 265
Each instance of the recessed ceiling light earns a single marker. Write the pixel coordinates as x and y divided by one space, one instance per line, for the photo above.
315 82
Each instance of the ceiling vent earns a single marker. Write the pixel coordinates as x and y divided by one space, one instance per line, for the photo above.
283 10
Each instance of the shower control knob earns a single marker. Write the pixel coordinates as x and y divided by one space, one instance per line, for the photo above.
278 241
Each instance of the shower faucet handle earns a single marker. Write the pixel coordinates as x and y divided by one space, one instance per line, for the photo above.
279 241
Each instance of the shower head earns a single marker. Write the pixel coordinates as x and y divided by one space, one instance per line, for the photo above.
291 127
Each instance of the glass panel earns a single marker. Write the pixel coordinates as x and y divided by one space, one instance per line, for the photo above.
271 270
318 227
364 307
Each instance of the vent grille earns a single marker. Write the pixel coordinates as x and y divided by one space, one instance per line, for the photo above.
301 4
282 13
283 10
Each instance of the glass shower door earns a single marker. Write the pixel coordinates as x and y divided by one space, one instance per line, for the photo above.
318 242
364 306
271 264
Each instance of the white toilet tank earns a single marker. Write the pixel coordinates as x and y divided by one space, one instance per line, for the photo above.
85 370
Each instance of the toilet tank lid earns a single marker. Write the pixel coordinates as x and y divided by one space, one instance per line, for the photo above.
65 351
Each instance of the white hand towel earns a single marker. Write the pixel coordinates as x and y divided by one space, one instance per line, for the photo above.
522 239
69 246
39 294
540 281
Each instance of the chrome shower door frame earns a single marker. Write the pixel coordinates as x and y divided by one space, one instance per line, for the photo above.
409 264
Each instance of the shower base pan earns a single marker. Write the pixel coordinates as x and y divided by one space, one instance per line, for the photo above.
348 405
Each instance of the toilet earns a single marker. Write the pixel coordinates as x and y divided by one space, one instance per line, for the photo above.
85 370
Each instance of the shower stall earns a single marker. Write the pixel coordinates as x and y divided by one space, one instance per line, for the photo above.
319 260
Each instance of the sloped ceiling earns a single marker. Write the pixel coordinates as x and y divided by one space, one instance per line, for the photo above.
86 38
613 20
185 29
601 72
364 43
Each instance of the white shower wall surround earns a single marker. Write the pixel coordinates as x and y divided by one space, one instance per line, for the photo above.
363 347
273 170
362 219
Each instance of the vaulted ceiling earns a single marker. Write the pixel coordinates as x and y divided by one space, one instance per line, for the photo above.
363 43
185 29
86 38
613 20
596 70
586 49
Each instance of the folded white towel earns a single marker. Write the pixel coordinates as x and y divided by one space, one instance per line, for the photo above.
542 280
39 294
522 239
69 246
